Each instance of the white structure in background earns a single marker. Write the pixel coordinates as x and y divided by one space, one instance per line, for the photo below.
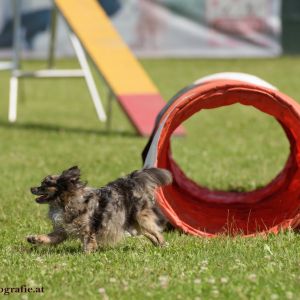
17 73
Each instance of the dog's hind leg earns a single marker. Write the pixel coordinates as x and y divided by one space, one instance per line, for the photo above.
52 238
89 243
146 220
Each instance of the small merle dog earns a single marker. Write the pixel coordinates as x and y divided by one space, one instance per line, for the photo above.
101 216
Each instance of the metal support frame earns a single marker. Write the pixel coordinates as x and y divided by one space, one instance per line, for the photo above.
110 99
88 77
13 94
17 73
5 65
52 43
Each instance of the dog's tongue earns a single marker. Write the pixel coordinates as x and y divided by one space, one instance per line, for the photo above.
41 199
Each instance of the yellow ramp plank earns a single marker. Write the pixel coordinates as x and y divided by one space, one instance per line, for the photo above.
103 43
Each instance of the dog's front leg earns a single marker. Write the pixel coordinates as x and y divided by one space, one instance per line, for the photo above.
89 242
53 238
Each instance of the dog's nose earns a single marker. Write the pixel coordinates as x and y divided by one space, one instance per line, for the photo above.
32 190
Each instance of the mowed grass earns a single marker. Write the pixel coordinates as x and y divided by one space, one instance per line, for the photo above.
230 148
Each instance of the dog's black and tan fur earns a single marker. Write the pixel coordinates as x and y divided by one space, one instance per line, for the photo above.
101 216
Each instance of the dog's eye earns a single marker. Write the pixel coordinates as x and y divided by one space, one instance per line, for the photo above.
49 181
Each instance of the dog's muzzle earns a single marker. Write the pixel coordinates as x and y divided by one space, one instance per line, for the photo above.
42 197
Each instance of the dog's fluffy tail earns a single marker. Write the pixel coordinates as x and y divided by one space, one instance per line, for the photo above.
151 178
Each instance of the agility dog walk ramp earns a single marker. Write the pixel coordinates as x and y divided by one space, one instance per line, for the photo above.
134 90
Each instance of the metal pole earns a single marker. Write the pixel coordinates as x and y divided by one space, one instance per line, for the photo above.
110 98
88 77
5 65
52 43
17 39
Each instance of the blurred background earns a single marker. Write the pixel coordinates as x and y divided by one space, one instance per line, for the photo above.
171 28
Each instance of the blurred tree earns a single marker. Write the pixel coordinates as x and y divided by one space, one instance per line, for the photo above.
291 26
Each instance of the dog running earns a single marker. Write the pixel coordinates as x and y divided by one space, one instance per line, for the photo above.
100 217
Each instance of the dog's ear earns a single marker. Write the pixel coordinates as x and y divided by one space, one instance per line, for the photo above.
71 175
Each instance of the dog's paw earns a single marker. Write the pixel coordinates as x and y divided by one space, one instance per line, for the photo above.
89 250
165 245
32 239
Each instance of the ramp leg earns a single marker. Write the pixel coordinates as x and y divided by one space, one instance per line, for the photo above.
88 77
13 99
109 110
52 43
17 39
5 65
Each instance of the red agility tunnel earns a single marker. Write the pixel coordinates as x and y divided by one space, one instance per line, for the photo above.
203 212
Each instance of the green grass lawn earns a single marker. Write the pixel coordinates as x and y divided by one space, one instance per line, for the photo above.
230 148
